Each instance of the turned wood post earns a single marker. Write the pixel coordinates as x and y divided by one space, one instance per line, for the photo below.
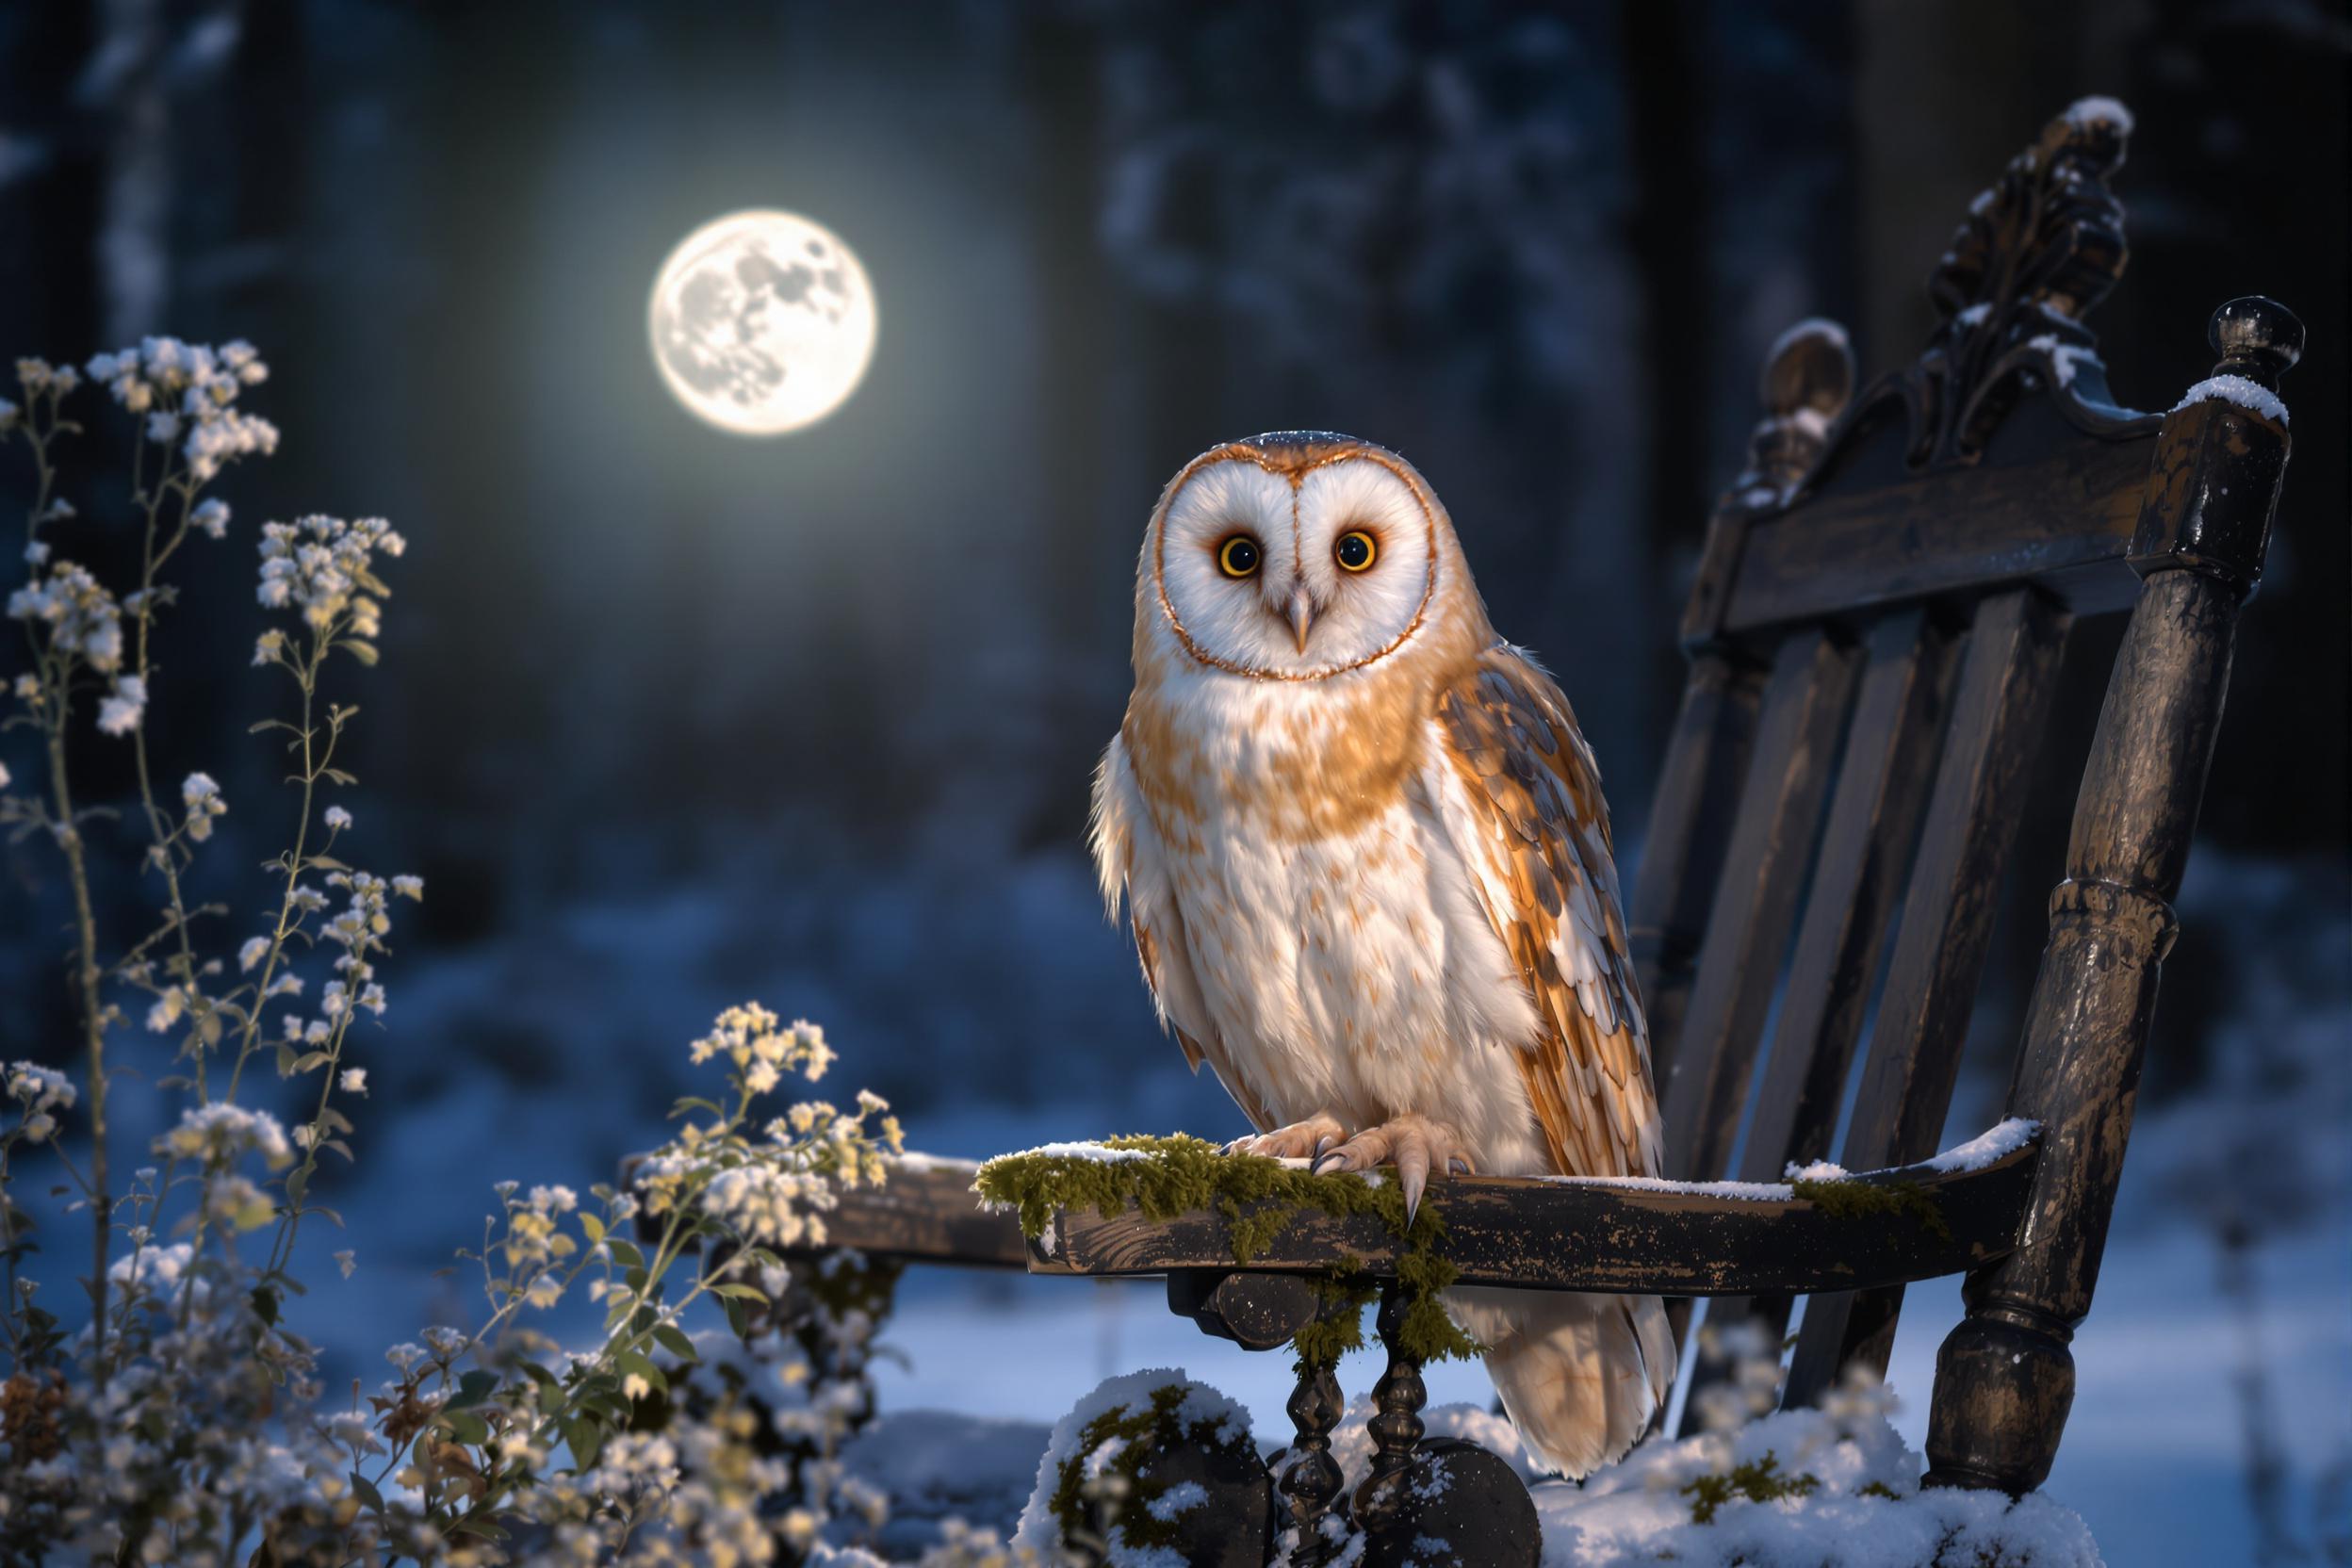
1396 1425
1311 1479
2004 1378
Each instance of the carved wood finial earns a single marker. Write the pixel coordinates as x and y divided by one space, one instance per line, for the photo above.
2259 340
1808 377
2039 249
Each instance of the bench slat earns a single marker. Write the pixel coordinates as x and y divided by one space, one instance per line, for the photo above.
2007 679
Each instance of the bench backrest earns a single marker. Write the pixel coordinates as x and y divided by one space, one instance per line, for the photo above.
1876 631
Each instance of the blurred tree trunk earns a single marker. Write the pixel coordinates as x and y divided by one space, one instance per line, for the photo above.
1945 92
126 76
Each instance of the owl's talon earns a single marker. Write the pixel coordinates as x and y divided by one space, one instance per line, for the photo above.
1298 1141
1413 1144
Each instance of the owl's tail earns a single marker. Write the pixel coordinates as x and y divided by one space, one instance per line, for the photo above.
1579 1375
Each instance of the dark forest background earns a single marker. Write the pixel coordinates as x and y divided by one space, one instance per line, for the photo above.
668 719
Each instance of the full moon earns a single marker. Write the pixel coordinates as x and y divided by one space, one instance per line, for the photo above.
763 322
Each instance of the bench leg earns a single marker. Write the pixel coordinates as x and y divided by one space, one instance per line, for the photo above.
2004 1378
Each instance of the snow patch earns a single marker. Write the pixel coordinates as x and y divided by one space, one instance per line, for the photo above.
1098 1153
2098 110
1638 1510
2063 356
1204 1410
2250 396
1812 326
1994 1143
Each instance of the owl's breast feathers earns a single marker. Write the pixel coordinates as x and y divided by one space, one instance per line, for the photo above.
1483 748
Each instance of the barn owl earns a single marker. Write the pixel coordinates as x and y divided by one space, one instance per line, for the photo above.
1365 859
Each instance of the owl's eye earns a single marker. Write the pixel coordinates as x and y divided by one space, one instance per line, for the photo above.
1355 550
1238 556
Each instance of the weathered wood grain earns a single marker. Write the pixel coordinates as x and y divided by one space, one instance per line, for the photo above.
1581 1235
1682 859
926 1213
2007 673
2063 522
2004 1378
1873 822
1748 929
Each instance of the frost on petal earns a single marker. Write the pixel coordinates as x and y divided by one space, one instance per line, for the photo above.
119 711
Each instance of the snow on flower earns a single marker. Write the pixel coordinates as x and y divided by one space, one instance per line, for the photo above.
43 1092
337 819
215 1133
201 797
355 1080
253 952
80 616
325 567
764 1204
119 711
212 516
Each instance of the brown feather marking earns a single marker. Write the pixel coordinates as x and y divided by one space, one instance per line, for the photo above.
1513 740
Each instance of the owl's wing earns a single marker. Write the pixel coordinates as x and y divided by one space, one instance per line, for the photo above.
1128 858
1538 846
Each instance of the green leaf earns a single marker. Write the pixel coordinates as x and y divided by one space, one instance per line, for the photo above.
365 652
585 1439
472 1389
466 1426
367 1493
675 1343
593 1226
484 1528
737 1319
742 1293
625 1253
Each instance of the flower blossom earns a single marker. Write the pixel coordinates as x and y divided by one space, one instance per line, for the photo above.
762 1204
201 797
119 711
81 615
325 567
191 387
215 1133
44 1091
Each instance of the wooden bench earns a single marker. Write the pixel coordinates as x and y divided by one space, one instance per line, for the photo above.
1877 626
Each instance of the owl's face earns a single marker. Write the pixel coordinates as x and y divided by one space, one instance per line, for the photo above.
1293 561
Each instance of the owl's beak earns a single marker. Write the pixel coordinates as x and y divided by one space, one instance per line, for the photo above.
1301 615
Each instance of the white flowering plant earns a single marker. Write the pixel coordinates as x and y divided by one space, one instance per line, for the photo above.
181 1418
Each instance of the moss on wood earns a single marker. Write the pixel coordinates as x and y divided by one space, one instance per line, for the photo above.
1843 1197
1258 1198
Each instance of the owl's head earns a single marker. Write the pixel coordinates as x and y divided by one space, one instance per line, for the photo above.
1295 556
